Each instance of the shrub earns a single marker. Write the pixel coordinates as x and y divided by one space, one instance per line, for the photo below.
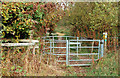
16 20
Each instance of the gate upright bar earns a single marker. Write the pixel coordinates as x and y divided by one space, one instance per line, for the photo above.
99 50
102 47
77 46
53 44
67 58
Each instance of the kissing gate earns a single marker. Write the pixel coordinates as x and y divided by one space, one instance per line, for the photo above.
72 50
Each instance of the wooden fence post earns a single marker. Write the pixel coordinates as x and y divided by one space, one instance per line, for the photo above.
105 38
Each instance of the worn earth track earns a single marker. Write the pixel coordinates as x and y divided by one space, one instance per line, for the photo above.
74 70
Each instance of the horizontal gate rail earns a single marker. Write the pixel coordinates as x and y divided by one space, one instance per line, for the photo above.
84 54
54 42
59 54
84 40
74 43
84 47
61 60
84 60
80 65
57 47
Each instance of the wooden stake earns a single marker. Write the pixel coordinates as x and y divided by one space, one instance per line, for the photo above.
108 43
117 42
94 34
87 31
98 34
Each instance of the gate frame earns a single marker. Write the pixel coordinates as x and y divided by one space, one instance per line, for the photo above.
52 41
100 50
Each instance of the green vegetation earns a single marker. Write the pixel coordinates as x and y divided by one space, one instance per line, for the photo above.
82 19
19 18
95 16
107 66
16 20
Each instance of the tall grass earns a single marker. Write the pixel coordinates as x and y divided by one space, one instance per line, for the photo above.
19 61
107 66
22 62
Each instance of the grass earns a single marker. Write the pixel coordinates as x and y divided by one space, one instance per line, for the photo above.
15 65
63 29
107 66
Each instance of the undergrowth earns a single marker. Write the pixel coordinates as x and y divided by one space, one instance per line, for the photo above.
107 66
14 64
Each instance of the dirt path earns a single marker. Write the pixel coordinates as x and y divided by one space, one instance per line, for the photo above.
79 71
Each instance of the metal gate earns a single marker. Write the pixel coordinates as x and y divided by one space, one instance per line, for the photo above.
76 52
85 52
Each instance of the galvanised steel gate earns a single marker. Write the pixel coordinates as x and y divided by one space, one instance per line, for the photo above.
75 51
86 51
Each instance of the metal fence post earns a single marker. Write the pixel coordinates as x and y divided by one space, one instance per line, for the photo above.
67 60
77 46
50 46
99 50
53 44
102 47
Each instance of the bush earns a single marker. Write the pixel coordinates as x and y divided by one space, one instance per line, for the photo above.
16 20
19 18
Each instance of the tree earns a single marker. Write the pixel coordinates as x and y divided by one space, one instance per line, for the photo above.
78 16
97 16
104 17
20 18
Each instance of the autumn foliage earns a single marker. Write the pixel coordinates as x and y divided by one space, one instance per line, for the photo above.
19 18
